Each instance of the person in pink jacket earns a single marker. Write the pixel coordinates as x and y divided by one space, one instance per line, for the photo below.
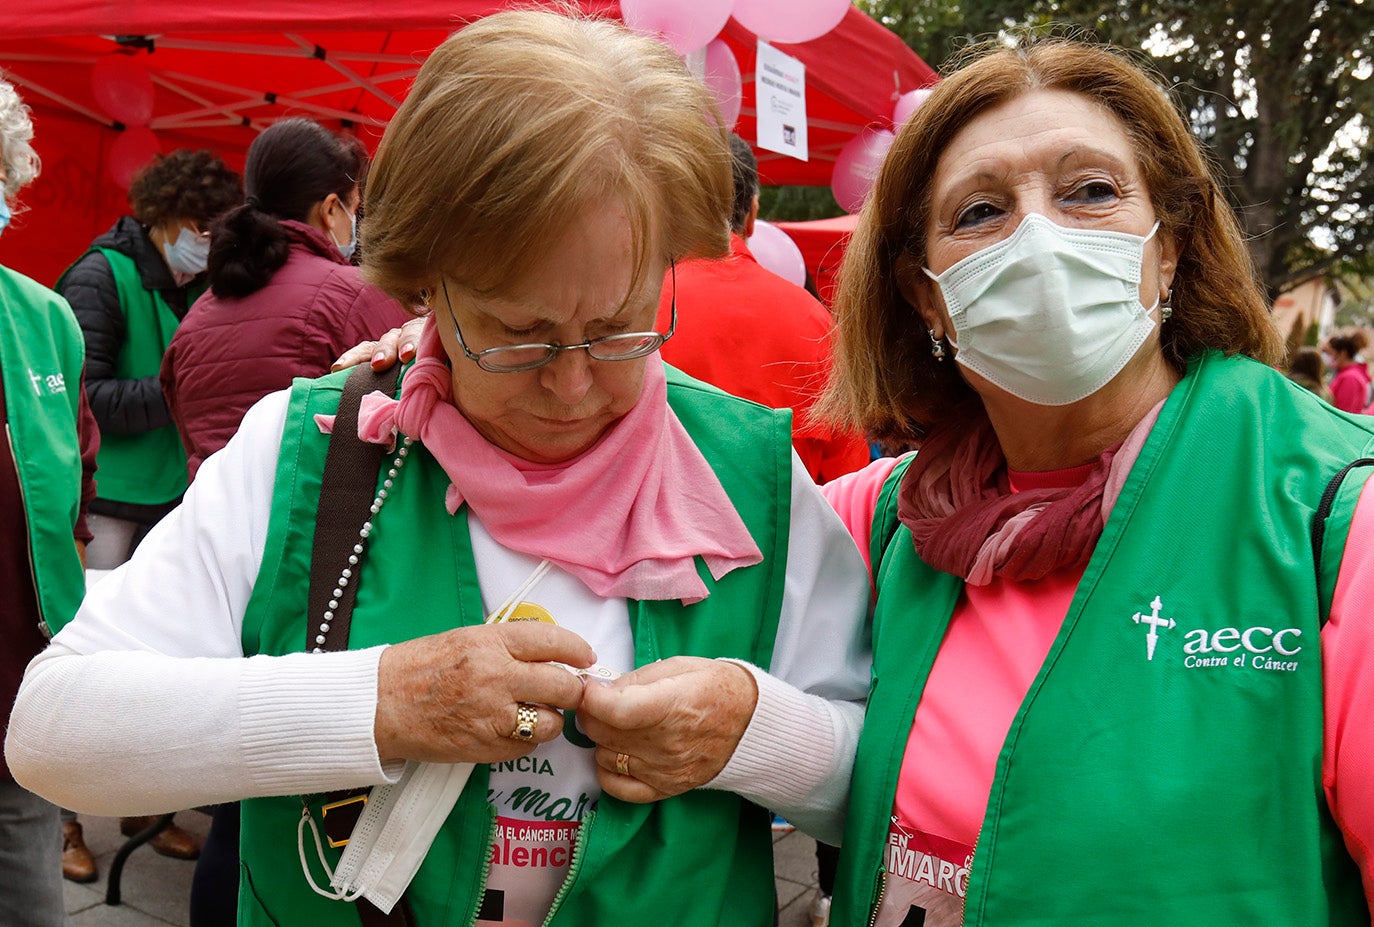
1350 386
284 297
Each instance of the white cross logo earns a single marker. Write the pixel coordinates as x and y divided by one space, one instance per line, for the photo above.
1155 622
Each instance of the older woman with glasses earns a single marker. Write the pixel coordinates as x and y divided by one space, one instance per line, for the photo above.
542 652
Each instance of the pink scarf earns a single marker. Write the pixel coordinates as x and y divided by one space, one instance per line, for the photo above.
965 519
627 517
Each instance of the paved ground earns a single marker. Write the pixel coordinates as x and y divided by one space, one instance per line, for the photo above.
156 889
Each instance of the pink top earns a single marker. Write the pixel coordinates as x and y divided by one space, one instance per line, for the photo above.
1001 633
1350 387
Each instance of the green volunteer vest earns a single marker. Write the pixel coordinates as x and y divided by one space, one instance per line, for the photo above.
147 468
702 858
1178 787
41 355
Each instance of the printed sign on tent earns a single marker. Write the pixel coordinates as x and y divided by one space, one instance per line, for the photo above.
780 89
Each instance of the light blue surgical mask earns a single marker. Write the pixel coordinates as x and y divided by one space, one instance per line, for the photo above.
188 253
348 249
1050 314
5 214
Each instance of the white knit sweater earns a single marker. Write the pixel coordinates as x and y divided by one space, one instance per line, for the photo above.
145 702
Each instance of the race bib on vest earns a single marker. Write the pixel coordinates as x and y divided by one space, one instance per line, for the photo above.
529 861
927 878
540 801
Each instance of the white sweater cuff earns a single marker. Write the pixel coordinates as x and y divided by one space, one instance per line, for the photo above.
307 722
787 751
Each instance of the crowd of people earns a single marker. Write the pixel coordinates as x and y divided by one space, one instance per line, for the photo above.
535 607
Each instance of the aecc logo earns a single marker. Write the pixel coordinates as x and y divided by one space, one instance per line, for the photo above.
1258 647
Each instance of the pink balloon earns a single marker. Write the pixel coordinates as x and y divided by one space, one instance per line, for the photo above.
790 21
907 104
685 26
857 167
723 80
135 147
123 88
775 250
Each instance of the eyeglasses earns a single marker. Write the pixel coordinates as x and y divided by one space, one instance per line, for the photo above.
517 358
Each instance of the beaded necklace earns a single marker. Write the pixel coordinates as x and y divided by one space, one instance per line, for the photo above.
363 533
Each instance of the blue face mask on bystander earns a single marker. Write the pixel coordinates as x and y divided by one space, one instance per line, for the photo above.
348 249
188 253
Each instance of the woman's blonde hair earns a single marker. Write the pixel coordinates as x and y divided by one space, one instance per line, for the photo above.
885 379
514 125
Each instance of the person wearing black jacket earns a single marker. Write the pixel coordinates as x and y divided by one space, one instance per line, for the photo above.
129 291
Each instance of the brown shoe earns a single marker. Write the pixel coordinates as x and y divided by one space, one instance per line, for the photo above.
173 841
78 865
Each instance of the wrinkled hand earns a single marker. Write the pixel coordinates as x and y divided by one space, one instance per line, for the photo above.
397 344
452 697
678 720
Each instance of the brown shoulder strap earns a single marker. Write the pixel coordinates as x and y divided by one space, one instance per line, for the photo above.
347 489
346 492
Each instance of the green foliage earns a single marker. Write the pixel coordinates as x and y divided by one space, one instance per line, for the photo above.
1357 303
1312 337
1282 92
797 204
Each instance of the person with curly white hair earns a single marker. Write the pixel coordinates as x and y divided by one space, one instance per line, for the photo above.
47 478
16 131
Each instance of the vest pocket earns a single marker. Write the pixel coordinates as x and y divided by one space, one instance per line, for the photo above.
252 912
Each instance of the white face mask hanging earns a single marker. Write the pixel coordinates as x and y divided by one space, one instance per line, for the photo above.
1049 314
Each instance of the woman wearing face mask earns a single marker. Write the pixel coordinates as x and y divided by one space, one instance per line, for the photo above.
283 300
1113 683
129 292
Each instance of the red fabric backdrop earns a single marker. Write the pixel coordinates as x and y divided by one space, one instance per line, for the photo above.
223 71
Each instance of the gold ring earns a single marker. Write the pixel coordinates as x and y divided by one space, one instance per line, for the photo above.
526 717
622 764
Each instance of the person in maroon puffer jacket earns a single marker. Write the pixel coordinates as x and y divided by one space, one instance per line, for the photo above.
284 299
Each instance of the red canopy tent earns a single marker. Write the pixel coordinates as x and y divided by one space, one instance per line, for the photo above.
224 71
